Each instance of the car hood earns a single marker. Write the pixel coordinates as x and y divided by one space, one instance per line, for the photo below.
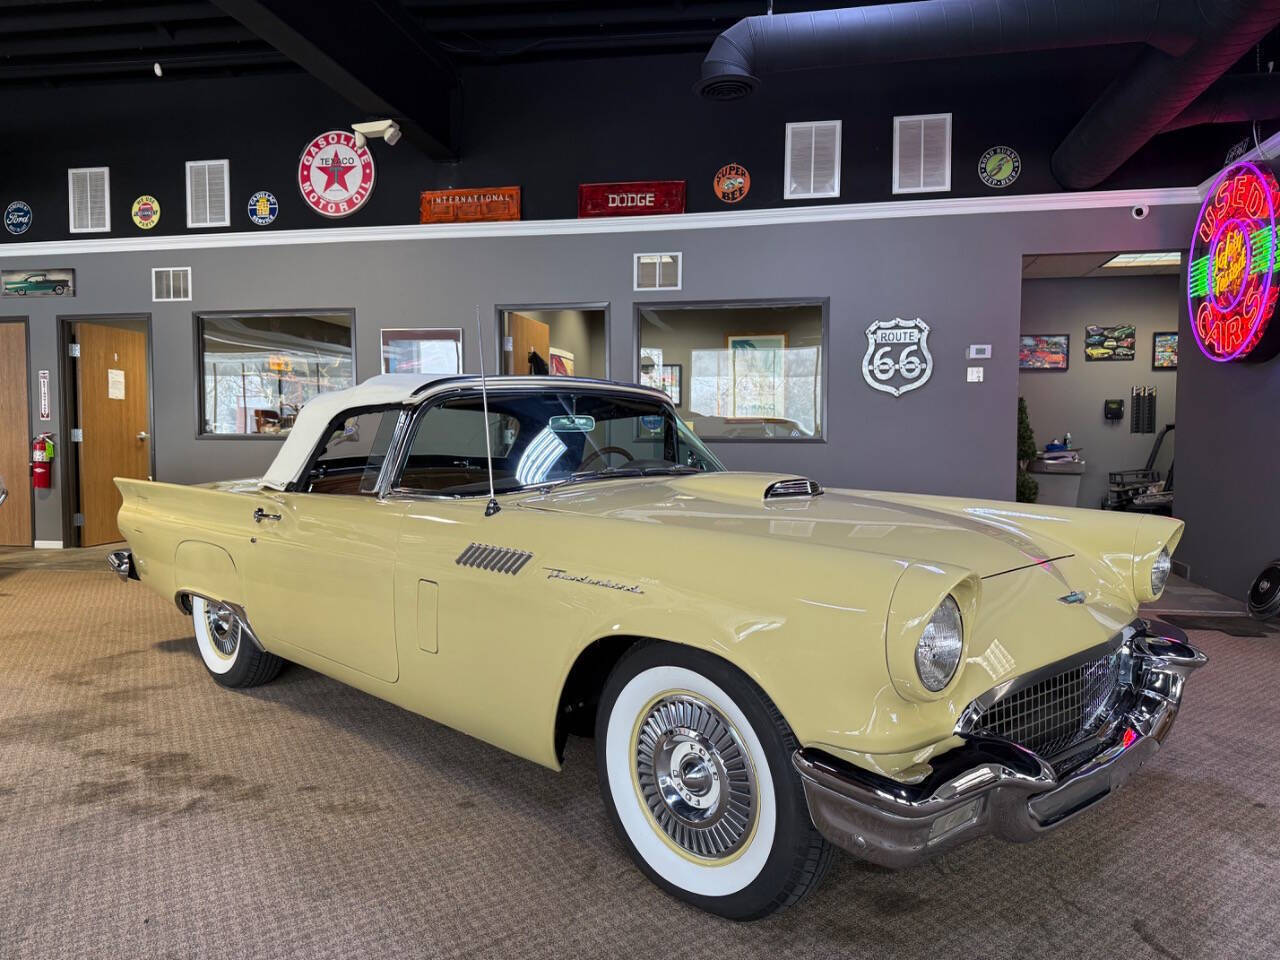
988 542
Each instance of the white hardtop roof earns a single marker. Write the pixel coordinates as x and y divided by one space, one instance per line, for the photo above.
387 389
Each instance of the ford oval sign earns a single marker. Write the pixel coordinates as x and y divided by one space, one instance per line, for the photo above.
17 217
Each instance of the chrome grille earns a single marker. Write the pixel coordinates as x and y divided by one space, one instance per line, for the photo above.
1058 712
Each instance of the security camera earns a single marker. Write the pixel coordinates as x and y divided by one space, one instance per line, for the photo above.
388 130
1140 211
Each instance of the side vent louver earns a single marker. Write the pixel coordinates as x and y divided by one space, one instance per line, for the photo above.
792 488
494 559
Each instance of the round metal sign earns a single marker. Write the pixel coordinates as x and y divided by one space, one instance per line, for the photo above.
263 208
17 217
334 175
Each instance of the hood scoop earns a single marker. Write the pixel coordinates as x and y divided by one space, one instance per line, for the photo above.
792 489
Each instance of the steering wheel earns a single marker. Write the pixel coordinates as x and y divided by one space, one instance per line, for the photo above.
602 452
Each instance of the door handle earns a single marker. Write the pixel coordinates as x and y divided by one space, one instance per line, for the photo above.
143 435
259 515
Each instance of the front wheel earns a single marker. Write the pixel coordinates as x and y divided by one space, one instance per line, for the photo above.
695 771
229 655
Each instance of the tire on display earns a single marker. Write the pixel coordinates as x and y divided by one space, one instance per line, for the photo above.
695 770
229 655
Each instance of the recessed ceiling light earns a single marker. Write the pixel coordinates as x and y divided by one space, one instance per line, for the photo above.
1168 258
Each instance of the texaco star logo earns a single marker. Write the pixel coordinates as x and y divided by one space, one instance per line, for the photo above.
335 178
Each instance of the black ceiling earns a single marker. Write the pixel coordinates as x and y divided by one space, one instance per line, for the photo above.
58 42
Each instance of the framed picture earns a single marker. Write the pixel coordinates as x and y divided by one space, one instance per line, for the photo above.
38 283
1044 351
1164 351
561 362
1109 343
422 350
757 375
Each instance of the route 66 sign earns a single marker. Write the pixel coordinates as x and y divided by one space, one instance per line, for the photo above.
898 358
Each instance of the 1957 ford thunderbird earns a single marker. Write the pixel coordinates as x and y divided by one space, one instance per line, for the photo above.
770 670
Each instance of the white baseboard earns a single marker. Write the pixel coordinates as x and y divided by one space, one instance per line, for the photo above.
48 544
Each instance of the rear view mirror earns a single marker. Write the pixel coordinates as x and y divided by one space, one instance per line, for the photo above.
572 424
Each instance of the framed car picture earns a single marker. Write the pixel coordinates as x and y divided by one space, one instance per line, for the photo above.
38 283
1108 344
1164 351
1044 351
422 350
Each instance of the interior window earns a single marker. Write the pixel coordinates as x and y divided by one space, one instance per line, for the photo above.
351 457
543 438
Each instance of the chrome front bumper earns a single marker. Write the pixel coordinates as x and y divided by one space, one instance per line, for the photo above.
121 563
993 786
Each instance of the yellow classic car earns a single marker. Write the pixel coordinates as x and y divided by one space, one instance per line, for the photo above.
770 670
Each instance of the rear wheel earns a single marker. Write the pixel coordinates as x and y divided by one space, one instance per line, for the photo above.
695 771
229 655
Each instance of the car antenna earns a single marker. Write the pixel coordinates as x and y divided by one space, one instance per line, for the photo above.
492 507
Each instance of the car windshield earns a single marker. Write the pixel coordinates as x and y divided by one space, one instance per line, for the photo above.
548 437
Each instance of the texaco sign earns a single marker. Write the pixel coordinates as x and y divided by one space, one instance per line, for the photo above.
897 358
335 176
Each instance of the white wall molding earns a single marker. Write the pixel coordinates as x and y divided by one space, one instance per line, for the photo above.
48 544
826 213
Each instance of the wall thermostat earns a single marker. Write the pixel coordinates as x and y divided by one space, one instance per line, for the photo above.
1113 409
979 351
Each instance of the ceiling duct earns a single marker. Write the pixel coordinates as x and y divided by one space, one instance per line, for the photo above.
933 29
1191 44
1236 98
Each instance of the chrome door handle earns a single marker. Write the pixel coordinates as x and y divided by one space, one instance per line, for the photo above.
143 435
259 515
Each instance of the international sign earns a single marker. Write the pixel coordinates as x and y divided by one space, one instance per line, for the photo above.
472 205
633 198
1231 290
897 358
335 176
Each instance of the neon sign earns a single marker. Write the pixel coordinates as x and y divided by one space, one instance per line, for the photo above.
1231 289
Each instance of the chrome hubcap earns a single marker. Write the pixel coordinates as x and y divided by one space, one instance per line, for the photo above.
224 628
695 777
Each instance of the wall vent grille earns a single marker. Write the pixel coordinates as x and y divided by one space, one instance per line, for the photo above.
170 283
494 559
813 160
89 199
658 271
208 196
922 153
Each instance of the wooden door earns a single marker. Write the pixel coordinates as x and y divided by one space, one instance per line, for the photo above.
114 417
527 334
15 436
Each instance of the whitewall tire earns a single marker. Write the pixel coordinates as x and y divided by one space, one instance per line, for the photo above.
229 655
695 770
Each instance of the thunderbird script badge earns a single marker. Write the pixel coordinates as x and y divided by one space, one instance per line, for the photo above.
898 358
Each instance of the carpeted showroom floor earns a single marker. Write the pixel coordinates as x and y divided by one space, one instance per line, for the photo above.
147 812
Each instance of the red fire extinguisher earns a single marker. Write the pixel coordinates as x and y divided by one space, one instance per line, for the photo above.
42 461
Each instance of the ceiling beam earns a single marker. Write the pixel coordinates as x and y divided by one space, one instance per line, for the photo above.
372 53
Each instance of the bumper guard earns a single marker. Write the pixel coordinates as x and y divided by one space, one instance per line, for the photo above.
992 786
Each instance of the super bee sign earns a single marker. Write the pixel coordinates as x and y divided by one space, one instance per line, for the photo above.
1231 290
897 358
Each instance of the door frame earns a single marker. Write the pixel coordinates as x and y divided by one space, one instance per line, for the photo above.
500 308
26 336
68 409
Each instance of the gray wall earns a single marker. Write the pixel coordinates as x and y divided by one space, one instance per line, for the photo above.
961 273
1228 427
1071 400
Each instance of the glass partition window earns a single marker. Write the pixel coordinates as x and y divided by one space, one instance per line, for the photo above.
562 342
738 373
542 438
258 370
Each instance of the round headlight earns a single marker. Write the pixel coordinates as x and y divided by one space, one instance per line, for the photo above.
938 652
1160 571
